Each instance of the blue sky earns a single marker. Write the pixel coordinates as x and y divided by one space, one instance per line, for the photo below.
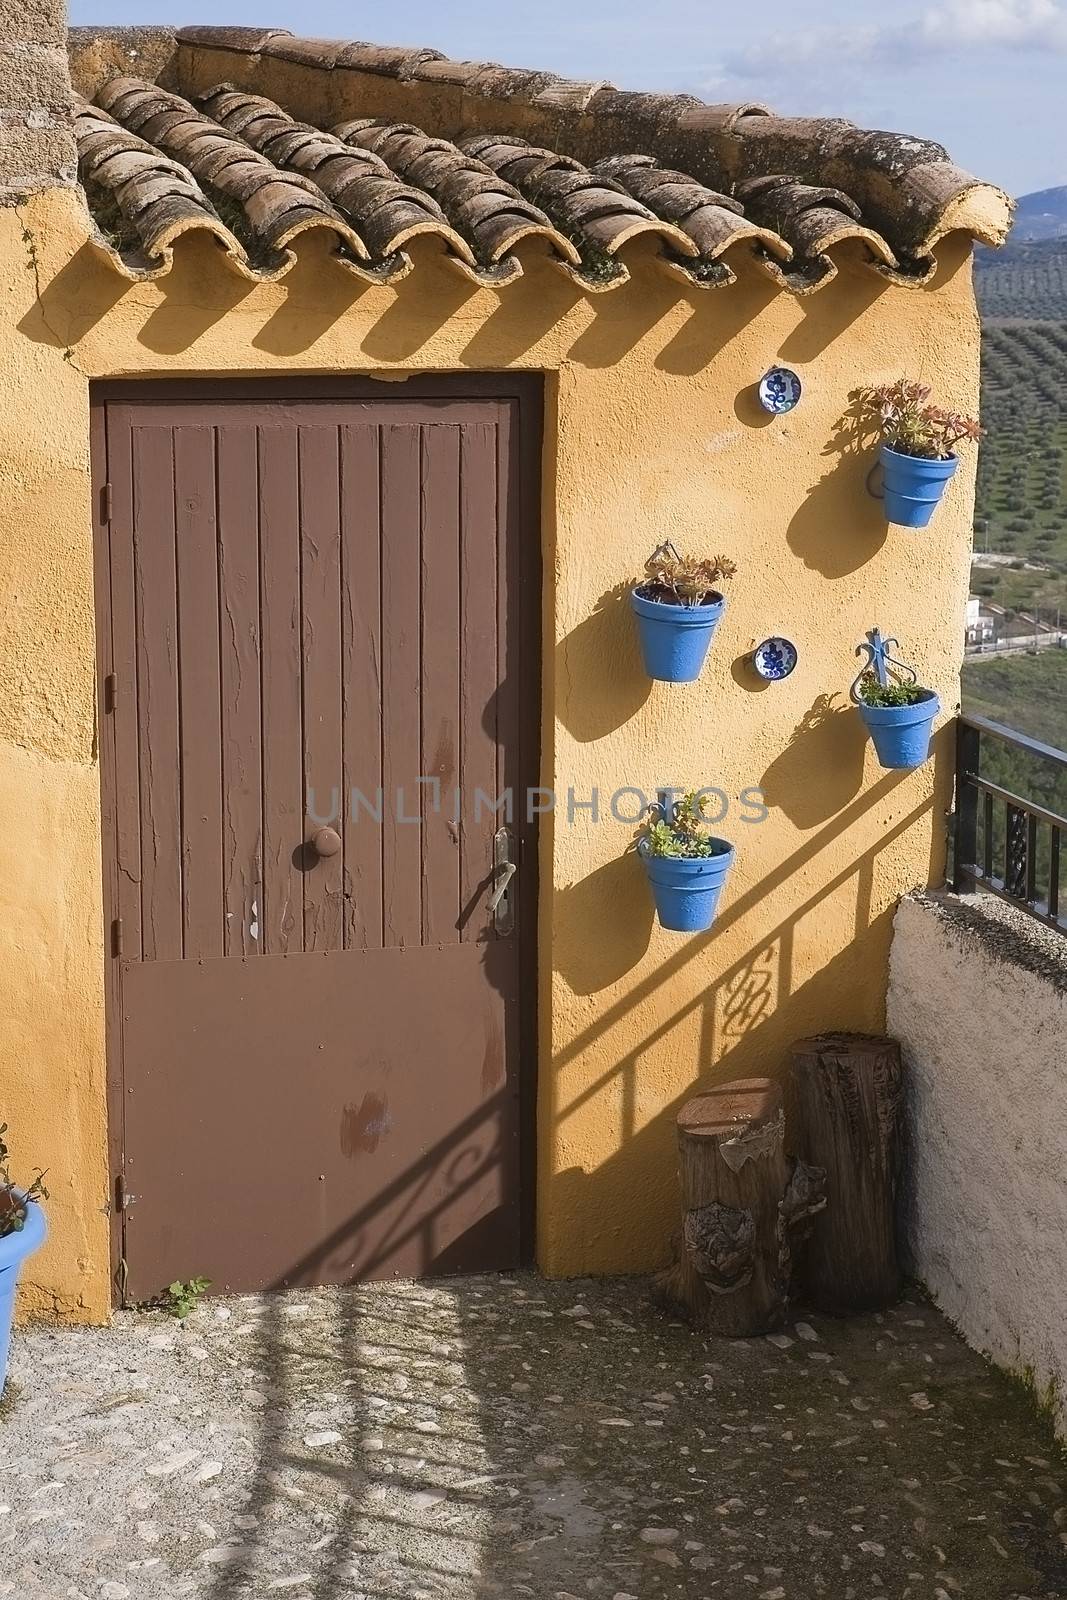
985 77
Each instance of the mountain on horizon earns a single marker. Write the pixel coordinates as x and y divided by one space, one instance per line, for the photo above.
1042 215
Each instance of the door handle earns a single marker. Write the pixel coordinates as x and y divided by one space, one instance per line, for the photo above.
503 879
504 869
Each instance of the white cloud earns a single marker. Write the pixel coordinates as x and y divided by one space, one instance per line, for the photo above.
952 28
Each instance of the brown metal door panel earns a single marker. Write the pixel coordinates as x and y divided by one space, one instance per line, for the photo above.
345 1135
316 613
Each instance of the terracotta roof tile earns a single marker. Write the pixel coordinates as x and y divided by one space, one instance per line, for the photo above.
265 208
589 207
261 145
385 213
486 209
714 222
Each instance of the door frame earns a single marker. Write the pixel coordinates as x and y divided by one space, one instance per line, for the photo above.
527 391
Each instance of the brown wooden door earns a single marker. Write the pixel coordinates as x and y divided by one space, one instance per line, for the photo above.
317 610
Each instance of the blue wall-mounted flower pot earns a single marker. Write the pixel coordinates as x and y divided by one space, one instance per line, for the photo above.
675 639
913 486
686 889
901 734
14 1248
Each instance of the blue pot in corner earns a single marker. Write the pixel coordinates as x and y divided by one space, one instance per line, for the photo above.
913 486
14 1248
686 889
675 639
901 734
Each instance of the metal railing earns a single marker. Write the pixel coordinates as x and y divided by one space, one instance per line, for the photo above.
1011 817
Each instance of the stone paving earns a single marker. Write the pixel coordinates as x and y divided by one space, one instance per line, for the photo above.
513 1437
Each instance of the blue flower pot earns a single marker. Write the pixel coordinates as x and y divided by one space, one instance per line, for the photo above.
686 889
913 486
901 734
14 1248
675 639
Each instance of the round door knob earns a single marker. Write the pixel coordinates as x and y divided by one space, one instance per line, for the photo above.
326 842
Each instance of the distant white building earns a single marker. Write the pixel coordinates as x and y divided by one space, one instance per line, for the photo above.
979 624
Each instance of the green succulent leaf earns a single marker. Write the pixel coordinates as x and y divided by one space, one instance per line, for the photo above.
683 834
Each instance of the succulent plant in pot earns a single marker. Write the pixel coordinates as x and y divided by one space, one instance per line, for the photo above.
686 863
900 718
678 607
22 1231
918 451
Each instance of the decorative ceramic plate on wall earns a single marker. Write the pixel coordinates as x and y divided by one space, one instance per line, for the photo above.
779 390
774 659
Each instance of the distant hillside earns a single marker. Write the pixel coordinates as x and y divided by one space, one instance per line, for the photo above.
1027 281
1042 215
1026 692
1021 507
1021 510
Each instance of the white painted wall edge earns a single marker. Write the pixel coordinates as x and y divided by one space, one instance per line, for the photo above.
978 998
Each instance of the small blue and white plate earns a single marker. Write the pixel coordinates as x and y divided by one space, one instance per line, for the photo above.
779 390
774 659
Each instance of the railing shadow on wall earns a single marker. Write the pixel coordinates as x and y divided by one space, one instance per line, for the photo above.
753 1010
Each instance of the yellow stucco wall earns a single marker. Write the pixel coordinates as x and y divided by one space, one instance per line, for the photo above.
651 430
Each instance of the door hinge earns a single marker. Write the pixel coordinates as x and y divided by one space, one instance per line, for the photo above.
111 691
123 1198
116 937
106 503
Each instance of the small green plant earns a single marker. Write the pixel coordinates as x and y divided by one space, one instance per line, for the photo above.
681 831
906 420
873 693
14 1203
683 580
181 1299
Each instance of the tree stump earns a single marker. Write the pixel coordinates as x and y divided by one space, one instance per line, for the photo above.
845 1115
743 1203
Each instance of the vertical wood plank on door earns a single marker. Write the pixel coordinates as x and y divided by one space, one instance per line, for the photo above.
158 692
509 604
478 680
440 683
281 921
200 729
401 764
320 558
361 684
106 708
509 706
122 591
242 774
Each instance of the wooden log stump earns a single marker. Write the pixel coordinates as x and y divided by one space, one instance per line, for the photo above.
845 1103
743 1202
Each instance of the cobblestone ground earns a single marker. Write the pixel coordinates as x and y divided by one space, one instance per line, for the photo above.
519 1438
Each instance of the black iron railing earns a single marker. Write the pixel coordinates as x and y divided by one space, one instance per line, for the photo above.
1011 818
